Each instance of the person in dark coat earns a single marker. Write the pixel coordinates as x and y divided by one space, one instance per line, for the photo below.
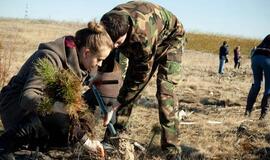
20 98
237 57
223 53
260 64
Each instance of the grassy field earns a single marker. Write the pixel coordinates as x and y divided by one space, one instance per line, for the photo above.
215 129
20 38
210 43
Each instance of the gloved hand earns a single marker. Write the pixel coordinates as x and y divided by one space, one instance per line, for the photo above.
226 60
93 146
110 111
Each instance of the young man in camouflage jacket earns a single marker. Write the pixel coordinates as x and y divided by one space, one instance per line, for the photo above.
152 38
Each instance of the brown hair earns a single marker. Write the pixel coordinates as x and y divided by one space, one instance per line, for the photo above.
93 37
116 24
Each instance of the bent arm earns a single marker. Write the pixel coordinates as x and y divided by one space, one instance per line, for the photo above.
137 75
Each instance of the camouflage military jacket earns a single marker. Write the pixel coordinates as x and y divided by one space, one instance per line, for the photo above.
152 28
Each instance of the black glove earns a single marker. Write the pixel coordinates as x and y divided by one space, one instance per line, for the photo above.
226 60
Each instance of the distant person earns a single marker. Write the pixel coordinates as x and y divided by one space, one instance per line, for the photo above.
237 57
260 63
152 39
223 53
20 98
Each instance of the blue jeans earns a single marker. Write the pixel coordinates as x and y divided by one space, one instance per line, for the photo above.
260 67
221 64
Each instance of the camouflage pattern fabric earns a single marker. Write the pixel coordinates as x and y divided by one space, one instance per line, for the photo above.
123 61
168 77
154 42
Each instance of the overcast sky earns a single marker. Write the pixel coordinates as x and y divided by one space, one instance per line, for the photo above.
245 18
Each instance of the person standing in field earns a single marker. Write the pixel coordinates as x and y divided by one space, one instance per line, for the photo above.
260 64
223 53
237 57
151 37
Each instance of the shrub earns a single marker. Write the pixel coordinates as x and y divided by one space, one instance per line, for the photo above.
60 85
64 86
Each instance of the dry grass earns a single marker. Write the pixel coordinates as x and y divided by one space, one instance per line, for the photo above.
210 43
5 61
20 38
210 96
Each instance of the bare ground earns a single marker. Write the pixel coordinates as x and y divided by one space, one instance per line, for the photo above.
218 129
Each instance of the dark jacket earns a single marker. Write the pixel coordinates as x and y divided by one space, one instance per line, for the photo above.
223 51
24 92
264 47
237 56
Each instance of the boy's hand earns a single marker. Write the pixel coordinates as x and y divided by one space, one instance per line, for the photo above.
108 116
94 146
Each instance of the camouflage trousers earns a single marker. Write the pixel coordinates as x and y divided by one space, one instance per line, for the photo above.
168 67
168 76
